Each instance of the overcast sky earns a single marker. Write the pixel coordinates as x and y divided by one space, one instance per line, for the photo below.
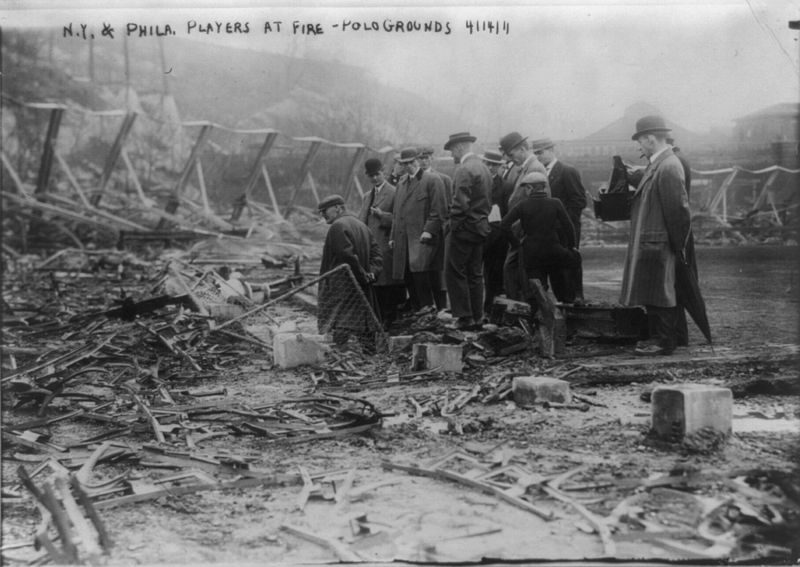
563 69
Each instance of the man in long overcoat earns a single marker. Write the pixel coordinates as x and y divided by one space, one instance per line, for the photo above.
416 237
341 309
496 246
469 228
660 225
426 164
376 213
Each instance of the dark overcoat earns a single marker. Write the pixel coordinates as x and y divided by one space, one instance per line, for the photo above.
469 210
660 225
380 225
567 187
340 306
419 206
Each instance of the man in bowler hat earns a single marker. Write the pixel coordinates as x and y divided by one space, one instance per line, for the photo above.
496 246
660 225
376 213
469 227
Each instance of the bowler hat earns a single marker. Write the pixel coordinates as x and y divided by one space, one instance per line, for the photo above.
650 124
407 155
532 178
543 144
491 156
330 201
459 137
372 166
511 141
425 151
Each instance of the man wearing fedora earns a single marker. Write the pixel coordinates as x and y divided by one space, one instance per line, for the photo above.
426 163
567 187
516 148
496 246
416 236
350 242
660 226
469 227
376 213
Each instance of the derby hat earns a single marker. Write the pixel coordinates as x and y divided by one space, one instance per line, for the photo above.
407 155
491 156
372 166
542 144
650 124
330 201
459 137
425 151
511 141
533 178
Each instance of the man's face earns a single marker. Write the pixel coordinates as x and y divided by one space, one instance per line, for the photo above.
331 213
377 177
647 144
458 151
410 167
494 168
424 161
545 156
517 155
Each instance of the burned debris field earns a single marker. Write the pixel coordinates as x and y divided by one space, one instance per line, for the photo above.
139 427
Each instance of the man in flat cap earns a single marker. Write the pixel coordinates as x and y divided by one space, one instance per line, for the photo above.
516 148
469 228
567 187
376 213
350 242
660 225
548 236
426 163
416 237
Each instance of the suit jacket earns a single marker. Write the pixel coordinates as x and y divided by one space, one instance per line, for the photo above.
419 206
381 226
566 186
472 189
544 222
660 225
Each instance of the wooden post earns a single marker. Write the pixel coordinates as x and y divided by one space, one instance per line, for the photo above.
201 181
351 172
139 191
305 171
258 169
719 196
270 190
74 182
113 156
46 163
202 138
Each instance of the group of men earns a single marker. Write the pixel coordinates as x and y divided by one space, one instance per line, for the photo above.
423 240
459 242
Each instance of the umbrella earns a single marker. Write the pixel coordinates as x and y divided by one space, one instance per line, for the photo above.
687 290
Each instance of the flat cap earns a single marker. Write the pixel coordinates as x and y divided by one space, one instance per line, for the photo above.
330 201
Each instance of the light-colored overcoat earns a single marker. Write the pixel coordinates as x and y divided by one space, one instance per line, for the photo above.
419 206
660 224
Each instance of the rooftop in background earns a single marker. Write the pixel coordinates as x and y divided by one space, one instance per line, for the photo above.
788 109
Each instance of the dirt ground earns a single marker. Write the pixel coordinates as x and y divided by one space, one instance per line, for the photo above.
752 300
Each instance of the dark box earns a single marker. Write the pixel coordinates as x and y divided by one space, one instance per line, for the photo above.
613 206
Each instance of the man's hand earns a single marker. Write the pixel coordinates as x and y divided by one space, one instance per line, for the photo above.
375 212
391 244
425 237
370 277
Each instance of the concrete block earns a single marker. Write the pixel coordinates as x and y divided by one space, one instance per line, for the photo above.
400 342
295 349
684 409
447 358
530 389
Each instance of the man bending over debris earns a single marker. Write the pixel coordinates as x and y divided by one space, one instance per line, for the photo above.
350 242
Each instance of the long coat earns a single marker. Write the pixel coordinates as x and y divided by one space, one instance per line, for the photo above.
340 305
472 190
381 226
419 206
447 184
660 224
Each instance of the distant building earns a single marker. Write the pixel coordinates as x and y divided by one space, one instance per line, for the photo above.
776 123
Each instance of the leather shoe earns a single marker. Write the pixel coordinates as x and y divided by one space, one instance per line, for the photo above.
652 350
463 323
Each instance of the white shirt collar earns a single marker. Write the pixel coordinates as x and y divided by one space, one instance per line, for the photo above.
549 167
658 153
465 156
